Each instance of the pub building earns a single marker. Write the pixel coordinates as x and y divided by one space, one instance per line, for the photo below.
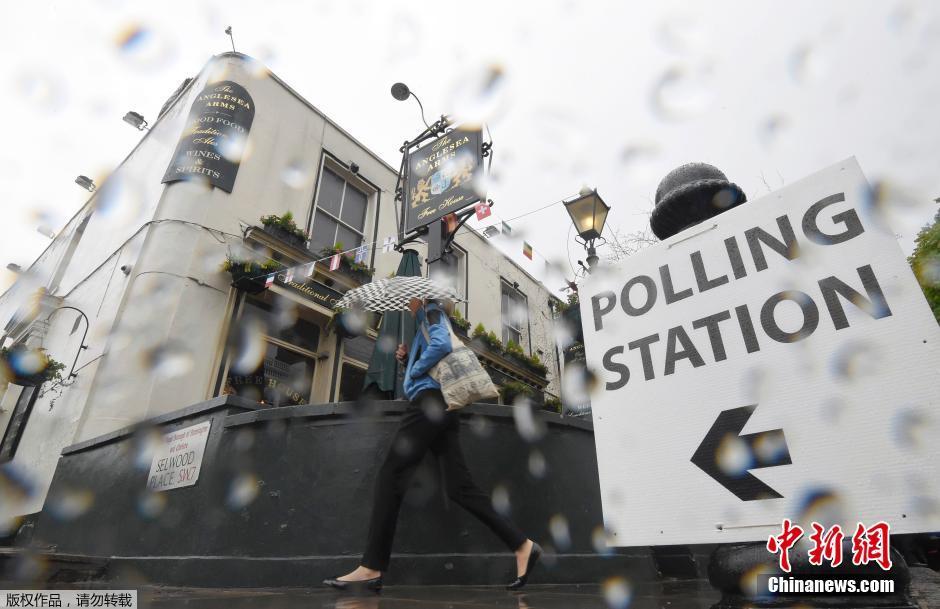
133 291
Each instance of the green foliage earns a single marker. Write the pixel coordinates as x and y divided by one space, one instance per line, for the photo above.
553 404
347 261
925 262
510 389
249 267
573 301
513 348
285 223
479 331
457 320
536 364
493 341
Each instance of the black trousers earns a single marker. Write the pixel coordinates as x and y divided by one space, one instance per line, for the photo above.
425 425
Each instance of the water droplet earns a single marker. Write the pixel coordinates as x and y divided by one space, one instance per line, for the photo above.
41 90
249 345
854 360
537 466
823 506
500 499
682 93
480 96
807 65
296 175
168 361
617 592
529 428
558 527
771 128
151 504
243 490
69 504
733 456
144 48
602 540
910 429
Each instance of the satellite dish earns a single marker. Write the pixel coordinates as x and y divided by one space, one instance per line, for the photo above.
400 91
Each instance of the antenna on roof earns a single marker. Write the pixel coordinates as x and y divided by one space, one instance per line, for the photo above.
228 30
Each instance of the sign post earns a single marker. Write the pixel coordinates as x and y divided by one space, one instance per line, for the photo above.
759 358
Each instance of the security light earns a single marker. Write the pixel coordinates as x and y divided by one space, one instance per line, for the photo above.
86 183
135 120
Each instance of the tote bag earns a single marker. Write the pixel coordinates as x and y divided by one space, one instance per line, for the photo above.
459 373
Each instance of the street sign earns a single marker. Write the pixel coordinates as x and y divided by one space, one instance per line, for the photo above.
178 458
776 361
443 177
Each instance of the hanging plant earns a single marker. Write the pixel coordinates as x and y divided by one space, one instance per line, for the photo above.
348 265
285 229
249 275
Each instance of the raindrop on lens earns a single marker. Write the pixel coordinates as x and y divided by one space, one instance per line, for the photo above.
243 490
480 96
558 526
500 499
70 504
733 455
617 592
681 93
249 346
600 539
537 466
151 504
910 429
168 361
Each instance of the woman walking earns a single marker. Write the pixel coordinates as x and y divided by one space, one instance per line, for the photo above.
427 424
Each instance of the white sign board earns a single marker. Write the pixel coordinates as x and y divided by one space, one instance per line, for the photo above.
778 360
178 458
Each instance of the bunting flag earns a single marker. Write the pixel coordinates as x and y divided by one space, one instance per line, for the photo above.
389 245
482 209
490 231
506 229
361 252
310 267
527 250
289 275
269 280
334 262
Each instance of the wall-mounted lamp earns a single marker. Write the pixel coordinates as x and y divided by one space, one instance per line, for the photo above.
135 120
12 266
401 92
86 183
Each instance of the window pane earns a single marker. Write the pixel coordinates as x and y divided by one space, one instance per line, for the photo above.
324 232
348 238
354 208
287 377
331 192
359 348
350 384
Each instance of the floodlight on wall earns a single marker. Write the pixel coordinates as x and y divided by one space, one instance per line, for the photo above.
135 120
86 183
401 92
12 266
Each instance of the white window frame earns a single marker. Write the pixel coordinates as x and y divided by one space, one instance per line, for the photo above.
505 319
349 180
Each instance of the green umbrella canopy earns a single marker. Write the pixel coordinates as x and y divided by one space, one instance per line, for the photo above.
396 327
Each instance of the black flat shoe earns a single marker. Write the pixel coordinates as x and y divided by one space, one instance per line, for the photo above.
534 554
373 585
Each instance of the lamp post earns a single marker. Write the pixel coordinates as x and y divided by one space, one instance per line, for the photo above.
588 214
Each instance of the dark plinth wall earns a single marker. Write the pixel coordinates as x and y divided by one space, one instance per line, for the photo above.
284 497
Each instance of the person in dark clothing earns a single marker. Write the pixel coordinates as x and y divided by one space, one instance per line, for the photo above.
427 424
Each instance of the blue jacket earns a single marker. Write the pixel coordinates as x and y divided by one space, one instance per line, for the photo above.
416 374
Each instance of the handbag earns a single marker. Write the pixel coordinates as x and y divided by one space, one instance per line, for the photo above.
460 374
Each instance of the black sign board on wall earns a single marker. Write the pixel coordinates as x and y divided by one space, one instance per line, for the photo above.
216 131
442 177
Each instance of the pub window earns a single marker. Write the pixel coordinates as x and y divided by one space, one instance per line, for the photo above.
339 215
356 355
514 313
278 369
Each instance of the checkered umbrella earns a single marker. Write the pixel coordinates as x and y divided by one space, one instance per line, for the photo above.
393 294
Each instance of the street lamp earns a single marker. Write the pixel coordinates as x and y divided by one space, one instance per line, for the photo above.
588 213
401 92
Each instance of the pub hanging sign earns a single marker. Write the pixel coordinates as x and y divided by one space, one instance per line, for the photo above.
443 177
211 147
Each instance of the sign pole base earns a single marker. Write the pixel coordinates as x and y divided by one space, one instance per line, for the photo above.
739 572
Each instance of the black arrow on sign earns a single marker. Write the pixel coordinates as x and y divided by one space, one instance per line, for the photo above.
727 427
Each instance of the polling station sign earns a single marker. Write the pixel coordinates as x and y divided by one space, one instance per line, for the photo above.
776 361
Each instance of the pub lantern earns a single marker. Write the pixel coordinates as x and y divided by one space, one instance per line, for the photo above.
588 214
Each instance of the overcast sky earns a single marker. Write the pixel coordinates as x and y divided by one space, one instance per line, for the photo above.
611 95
